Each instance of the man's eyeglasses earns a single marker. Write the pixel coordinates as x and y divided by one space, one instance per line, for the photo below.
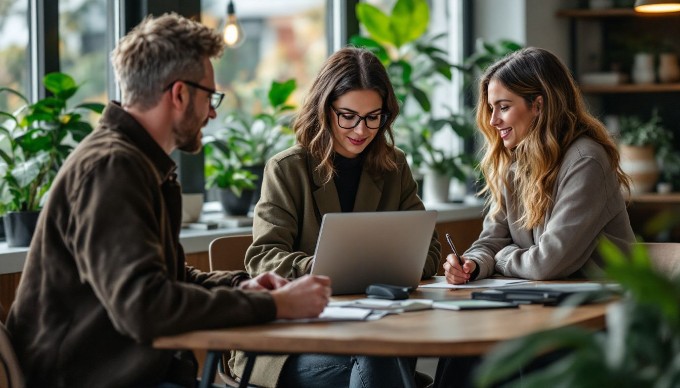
215 96
348 120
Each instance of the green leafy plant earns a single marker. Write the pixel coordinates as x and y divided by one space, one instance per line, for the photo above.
637 132
224 173
415 64
249 139
640 348
36 139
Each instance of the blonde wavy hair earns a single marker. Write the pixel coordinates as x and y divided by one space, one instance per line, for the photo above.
346 70
562 118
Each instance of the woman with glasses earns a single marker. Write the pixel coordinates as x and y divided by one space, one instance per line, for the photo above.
344 161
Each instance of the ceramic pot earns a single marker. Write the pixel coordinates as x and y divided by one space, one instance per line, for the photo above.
669 71
19 228
640 164
233 205
435 187
643 68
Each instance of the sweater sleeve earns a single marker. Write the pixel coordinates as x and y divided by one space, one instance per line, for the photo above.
580 212
495 236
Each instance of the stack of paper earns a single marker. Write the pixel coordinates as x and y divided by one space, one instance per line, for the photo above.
393 306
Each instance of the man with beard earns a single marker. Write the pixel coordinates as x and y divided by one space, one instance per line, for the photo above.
105 273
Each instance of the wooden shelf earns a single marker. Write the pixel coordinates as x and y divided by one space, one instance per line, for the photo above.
656 198
630 88
584 13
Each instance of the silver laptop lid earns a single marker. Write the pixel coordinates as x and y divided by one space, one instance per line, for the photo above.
358 249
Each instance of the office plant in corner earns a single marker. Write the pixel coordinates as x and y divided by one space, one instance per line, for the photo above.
34 142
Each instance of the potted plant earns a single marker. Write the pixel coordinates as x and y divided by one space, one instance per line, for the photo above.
248 140
236 184
640 142
640 347
34 142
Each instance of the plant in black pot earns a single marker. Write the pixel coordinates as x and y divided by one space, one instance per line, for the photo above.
236 184
248 140
34 142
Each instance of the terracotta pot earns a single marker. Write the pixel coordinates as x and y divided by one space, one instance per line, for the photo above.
640 164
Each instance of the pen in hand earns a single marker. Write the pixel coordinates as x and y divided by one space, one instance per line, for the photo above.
455 252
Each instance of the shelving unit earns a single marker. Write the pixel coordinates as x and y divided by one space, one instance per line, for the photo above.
614 25
614 35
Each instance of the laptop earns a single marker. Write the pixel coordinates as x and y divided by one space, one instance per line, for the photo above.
359 249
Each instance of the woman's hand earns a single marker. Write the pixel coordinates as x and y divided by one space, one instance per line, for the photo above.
455 274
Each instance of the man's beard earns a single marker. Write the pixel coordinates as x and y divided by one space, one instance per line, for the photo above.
187 132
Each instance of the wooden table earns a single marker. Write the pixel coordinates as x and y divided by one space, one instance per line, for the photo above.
427 333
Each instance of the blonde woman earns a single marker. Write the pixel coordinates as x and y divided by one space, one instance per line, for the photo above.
553 180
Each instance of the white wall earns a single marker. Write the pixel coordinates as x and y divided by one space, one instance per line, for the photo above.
529 22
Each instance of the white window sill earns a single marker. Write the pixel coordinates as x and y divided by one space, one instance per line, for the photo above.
196 240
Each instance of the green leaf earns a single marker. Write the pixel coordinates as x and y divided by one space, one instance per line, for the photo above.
12 91
509 357
422 98
92 106
376 22
371 45
409 20
279 92
61 85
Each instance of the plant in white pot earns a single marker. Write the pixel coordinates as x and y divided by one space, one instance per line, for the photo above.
34 142
640 144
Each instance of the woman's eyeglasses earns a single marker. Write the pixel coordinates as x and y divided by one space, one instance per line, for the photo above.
348 120
215 96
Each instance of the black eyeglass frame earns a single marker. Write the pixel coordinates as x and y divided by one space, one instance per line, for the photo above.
383 119
215 96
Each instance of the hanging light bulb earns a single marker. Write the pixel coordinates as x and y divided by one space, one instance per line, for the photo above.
233 32
657 6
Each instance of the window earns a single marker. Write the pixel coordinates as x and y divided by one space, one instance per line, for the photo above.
13 52
284 39
82 47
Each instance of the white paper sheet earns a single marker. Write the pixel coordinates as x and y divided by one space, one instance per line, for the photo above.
440 282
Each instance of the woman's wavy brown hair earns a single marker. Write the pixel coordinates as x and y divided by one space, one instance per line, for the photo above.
562 118
346 70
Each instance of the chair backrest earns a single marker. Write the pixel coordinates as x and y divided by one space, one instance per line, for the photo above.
665 257
11 375
229 252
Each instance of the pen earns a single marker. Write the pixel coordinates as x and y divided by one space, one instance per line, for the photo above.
453 248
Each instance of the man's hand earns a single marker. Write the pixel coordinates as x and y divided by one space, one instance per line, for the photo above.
455 274
304 297
264 281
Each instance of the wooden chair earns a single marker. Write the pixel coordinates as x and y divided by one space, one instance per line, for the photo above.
11 375
228 254
665 257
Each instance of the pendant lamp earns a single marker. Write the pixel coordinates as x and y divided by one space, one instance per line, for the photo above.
657 6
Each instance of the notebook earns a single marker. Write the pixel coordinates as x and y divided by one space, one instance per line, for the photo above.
359 249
